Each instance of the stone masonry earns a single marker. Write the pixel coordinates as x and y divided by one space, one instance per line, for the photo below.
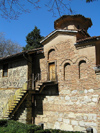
70 57
17 76
77 105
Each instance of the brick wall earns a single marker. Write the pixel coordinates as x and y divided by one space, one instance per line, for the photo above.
76 107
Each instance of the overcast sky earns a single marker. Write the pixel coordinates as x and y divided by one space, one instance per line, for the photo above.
17 30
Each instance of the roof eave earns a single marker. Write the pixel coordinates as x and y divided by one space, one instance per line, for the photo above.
38 50
85 41
59 30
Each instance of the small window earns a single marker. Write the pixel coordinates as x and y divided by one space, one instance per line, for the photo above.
78 27
5 70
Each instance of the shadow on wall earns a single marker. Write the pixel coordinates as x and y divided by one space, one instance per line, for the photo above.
28 110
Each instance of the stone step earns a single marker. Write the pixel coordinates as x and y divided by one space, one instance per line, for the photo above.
38 86
40 83
17 99
37 89
12 107
5 117
23 91
21 94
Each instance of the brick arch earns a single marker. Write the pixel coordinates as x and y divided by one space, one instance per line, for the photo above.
67 71
62 65
66 61
52 49
82 63
81 58
51 54
82 69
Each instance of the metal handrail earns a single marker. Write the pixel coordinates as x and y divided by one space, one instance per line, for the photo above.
40 74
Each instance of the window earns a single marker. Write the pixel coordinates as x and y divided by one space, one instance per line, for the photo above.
78 27
52 73
5 70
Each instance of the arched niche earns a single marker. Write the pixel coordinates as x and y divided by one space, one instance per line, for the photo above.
67 71
82 69
51 54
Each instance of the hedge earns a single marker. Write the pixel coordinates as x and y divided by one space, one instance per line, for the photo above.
11 126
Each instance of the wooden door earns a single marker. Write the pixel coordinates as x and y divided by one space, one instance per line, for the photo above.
52 74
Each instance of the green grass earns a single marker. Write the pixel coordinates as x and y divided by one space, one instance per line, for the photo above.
11 126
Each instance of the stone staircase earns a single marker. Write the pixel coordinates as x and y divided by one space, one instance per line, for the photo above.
39 84
13 101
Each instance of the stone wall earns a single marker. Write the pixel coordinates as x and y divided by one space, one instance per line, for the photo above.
24 113
77 105
71 110
4 96
17 74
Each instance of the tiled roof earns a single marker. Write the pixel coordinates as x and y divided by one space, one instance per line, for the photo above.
23 52
87 20
94 38
83 32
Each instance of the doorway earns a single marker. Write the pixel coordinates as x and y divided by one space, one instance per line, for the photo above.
52 72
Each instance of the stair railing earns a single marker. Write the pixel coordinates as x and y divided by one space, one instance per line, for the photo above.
38 77
13 100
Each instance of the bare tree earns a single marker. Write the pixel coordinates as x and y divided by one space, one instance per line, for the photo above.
7 47
13 8
90 0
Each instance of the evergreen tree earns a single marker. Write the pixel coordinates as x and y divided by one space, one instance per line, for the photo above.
33 39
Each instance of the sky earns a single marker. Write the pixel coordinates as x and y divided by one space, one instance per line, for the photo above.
17 30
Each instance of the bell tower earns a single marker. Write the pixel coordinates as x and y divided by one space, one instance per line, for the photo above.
73 22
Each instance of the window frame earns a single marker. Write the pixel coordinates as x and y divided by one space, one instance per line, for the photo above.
5 70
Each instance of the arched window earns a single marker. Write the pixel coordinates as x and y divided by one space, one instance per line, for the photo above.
82 69
67 71
51 54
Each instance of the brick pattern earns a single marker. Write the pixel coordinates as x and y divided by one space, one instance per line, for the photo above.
76 106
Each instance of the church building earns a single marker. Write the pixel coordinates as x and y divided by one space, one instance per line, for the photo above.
58 85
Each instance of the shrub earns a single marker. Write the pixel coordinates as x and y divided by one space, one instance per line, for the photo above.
11 126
